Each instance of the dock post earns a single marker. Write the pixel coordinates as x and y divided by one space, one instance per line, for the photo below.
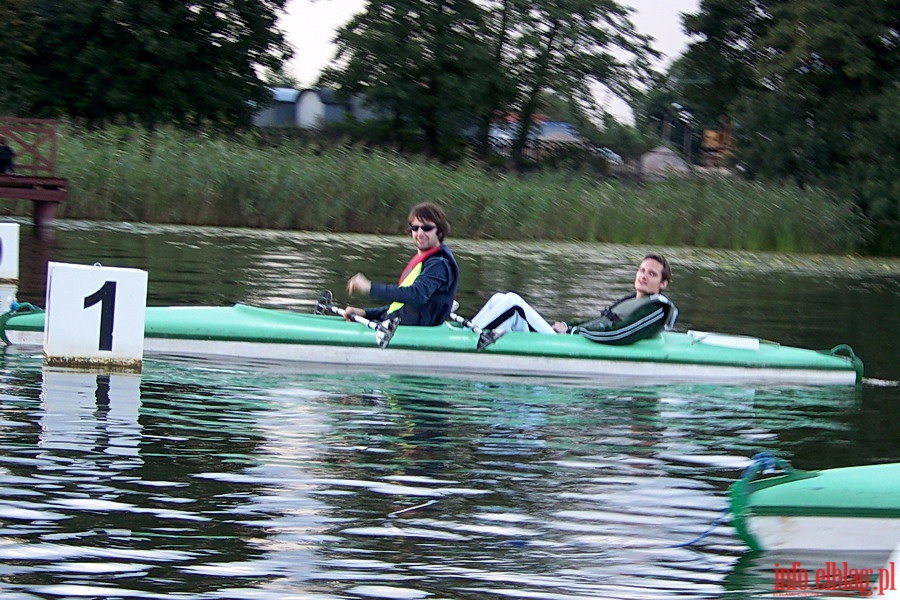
44 213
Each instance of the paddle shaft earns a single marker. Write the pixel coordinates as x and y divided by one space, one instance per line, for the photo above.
485 338
384 330
466 323
354 317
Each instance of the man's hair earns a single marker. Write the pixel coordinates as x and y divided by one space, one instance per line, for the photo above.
427 211
666 270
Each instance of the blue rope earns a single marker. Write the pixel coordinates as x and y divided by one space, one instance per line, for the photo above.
709 530
766 460
762 462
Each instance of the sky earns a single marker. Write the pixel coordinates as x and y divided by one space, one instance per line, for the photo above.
310 26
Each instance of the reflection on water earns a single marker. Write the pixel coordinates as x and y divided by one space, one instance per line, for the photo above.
863 574
225 480
250 480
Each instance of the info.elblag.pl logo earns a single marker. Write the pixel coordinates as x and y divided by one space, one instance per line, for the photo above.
838 579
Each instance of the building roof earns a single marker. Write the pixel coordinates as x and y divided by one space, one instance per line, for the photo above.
281 94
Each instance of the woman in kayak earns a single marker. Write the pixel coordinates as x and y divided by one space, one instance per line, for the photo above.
639 315
427 286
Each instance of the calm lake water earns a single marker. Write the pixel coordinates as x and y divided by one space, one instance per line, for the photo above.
212 479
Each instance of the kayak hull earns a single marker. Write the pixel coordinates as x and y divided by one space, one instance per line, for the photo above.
258 333
850 509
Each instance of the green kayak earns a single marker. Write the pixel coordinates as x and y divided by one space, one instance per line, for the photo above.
849 509
260 333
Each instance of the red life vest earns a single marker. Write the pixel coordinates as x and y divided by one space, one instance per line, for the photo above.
411 271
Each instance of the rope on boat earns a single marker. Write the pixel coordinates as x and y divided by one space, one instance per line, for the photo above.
762 462
15 308
847 352
709 530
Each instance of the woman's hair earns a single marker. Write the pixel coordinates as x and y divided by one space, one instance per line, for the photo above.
427 211
666 270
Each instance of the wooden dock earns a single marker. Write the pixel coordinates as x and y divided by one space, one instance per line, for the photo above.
35 179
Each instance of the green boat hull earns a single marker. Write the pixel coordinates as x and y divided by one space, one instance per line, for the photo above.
833 510
250 332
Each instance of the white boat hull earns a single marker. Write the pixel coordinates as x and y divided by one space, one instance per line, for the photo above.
833 535
460 363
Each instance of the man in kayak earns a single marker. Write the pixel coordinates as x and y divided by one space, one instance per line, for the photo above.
637 316
427 286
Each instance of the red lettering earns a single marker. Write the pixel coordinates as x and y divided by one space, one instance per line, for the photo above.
780 580
835 578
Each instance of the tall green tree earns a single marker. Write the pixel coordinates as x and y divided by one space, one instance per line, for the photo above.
812 88
659 112
500 22
829 74
442 65
16 46
421 63
155 61
571 47
720 65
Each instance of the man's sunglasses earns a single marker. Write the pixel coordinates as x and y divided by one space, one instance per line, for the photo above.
426 228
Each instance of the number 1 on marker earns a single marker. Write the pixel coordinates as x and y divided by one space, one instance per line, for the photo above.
106 296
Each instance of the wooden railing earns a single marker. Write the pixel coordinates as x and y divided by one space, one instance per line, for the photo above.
34 171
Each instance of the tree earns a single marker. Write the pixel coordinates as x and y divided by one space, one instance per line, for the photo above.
653 109
280 78
421 63
500 87
811 86
442 65
829 69
719 67
155 60
571 47
16 45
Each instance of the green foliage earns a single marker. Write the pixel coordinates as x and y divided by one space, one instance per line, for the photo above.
629 142
719 67
169 176
571 47
151 61
450 65
872 174
280 78
420 64
811 86
833 67
659 111
16 45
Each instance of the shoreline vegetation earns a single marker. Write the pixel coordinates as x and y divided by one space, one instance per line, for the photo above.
169 176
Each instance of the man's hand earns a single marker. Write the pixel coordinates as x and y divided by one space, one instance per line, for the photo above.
352 310
359 283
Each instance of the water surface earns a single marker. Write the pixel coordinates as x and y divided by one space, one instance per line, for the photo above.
245 479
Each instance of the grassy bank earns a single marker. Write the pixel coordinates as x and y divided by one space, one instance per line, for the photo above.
174 177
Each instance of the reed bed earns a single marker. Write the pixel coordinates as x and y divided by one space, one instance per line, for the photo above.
169 176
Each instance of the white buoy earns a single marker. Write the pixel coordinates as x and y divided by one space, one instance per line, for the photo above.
95 317
9 253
